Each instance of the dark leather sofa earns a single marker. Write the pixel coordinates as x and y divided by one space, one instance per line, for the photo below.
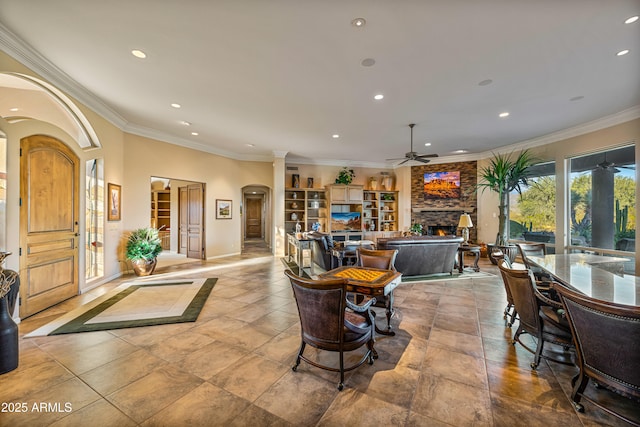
323 243
423 255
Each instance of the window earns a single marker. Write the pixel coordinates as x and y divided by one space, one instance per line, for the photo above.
603 204
94 220
532 214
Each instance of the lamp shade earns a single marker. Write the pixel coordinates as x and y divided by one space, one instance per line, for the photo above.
465 221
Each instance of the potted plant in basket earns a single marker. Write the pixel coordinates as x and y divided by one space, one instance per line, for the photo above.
143 247
504 174
345 176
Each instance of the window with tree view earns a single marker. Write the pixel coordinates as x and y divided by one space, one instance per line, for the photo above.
532 214
603 203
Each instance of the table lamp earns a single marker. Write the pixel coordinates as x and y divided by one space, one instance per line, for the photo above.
465 223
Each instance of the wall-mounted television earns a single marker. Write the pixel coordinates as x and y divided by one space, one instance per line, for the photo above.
346 221
442 185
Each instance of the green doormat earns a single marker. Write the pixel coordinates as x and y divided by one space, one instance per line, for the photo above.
135 304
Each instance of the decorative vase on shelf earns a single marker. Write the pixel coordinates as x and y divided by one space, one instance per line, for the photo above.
294 216
294 195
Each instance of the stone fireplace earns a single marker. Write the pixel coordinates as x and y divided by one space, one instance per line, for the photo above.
442 215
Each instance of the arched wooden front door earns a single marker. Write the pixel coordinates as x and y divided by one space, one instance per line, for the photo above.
49 215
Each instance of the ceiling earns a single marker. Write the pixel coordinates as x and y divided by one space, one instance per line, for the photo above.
259 78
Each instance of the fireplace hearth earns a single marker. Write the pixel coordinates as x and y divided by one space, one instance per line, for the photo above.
442 230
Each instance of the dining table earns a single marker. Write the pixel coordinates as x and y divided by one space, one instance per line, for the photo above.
371 282
596 276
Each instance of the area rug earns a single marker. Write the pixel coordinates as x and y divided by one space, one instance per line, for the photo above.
294 268
133 304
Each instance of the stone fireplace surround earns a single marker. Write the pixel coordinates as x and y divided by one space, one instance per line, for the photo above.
444 212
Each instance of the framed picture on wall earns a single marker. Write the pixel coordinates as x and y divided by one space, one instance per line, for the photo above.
223 209
114 200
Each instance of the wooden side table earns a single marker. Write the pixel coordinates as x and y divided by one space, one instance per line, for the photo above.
462 249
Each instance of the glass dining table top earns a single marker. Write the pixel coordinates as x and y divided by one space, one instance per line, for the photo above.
596 276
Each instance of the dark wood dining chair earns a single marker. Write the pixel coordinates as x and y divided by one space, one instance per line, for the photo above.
510 314
383 259
543 279
329 322
538 316
607 340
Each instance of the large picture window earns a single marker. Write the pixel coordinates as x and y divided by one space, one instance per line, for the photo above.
603 204
532 214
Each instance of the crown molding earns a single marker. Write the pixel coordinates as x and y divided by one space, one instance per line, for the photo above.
170 139
572 132
30 58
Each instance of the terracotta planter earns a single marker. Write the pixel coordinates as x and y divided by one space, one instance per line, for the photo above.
142 267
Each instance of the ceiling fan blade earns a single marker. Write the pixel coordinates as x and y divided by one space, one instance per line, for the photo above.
420 159
403 162
399 158
426 155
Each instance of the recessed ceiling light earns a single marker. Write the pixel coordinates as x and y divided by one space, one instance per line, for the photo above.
368 62
14 109
251 145
185 123
195 133
358 22
378 97
427 144
577 98
503 115
335 136
174 105
460 151
138 54
631 20
622 52
485 82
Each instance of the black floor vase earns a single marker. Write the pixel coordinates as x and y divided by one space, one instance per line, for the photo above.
8 339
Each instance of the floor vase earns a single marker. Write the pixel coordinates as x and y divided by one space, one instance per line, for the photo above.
8 339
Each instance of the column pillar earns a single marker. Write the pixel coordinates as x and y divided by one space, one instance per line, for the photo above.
279 169
602 208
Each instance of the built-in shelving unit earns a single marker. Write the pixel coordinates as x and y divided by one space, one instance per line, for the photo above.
305 206
380 210
161 214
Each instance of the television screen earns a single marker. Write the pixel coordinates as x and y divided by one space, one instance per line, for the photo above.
345 221
442 185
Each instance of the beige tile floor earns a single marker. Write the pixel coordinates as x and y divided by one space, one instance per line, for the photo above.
450 363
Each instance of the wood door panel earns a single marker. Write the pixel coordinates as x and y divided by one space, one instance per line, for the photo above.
44 247
49 214
195 196
49 276
253 224
183 213
51 185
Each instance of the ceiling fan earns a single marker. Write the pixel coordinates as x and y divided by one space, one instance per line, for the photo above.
610 165
412 155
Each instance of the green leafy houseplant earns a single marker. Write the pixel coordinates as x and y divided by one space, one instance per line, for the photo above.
143 244
504 174
416 229
345 176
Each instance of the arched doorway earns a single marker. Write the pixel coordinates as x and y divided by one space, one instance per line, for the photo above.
256 220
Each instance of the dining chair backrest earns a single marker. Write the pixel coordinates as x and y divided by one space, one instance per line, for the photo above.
377 258
520 283
607 340
531 249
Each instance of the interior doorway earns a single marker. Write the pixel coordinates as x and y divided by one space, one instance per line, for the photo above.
256 218
177 210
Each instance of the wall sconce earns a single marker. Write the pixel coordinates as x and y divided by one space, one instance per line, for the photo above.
465 223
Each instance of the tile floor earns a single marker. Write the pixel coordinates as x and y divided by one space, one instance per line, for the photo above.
449 364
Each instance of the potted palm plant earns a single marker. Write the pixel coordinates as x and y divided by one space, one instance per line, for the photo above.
504 174
143 247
